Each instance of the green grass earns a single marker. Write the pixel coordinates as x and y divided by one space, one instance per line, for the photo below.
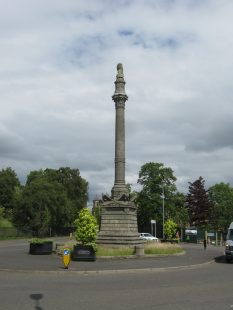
104 251
4 223
162 249
150 249
8 231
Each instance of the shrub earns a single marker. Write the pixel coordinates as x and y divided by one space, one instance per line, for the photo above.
39 241
170 228
86 228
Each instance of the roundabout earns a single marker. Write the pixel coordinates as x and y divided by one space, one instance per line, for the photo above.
15 257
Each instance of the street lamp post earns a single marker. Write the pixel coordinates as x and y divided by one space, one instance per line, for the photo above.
163 207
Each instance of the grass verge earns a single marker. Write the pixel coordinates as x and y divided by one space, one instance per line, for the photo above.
162 249
4 223
150 248
104 251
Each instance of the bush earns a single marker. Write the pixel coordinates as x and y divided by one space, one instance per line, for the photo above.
170 229
86 228
39 241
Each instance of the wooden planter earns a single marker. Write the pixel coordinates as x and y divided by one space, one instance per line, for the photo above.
83 253
44 248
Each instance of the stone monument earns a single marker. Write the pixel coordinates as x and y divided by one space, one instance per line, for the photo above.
118 213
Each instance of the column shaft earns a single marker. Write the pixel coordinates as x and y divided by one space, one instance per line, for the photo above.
120 144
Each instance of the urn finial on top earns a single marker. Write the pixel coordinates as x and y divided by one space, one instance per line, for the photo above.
120 70
120 82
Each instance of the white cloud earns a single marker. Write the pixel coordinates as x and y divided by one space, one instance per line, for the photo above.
58 65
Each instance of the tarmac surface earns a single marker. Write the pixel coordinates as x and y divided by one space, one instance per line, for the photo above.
14 257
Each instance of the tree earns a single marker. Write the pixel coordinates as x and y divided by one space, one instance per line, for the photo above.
155 180
178 210
8 184
221 195
50 200
42 206
96 212
170 229
75 186
1 213
199 204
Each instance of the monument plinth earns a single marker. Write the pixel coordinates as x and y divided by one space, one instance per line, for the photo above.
118 214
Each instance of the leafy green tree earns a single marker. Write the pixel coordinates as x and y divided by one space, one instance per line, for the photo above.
178 210
96 212
8 183
1 213
75 186
86 228
132 194
50 200
199 205
221 195
42 206
155 180
170 229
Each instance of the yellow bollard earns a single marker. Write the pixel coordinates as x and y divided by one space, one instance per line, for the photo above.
66 257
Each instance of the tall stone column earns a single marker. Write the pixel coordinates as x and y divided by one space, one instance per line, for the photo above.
119 98
118 213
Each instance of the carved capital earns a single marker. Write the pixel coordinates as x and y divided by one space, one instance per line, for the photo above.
119 101
119 97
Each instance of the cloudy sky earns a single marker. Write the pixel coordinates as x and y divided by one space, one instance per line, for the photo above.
57 70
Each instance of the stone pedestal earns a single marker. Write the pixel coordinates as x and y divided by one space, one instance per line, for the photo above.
118 224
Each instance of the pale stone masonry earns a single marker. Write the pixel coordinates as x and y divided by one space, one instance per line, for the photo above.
119 98
118 214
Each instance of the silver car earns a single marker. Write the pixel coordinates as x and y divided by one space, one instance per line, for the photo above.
148 237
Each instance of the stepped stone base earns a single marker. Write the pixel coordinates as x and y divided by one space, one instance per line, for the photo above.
118 224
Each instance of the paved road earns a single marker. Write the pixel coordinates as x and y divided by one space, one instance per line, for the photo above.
204 287
14 256
200 286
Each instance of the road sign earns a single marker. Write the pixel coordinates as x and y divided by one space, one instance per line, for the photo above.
66 257
153 227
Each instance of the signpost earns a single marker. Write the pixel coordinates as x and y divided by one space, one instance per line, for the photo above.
153 222
66 257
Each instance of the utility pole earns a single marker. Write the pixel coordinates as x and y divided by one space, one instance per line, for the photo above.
163 207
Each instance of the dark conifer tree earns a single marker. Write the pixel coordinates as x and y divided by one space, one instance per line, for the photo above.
199 204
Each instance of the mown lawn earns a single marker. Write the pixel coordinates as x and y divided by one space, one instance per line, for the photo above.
150 248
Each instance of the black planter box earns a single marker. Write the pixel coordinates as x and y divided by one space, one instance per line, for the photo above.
44 248
83 253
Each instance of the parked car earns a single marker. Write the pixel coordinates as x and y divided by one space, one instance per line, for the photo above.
148 237
229 244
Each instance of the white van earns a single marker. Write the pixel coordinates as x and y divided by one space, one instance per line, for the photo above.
229 244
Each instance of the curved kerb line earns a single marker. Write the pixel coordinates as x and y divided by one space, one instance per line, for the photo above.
116 271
